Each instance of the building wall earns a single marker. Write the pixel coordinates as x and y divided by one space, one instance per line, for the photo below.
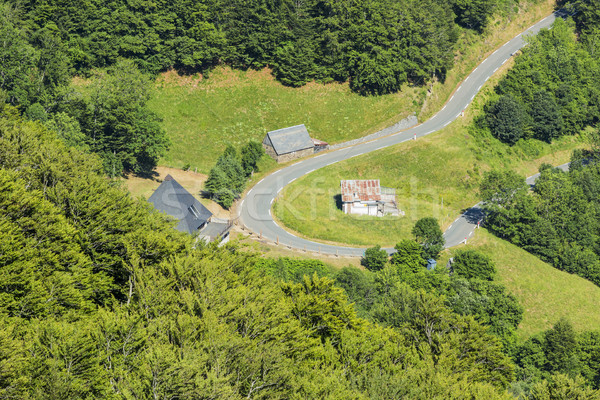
270 151
360 208
289 156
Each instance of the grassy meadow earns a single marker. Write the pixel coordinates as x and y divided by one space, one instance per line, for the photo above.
545 293
202 114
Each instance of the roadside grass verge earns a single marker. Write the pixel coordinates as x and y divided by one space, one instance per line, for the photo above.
546 293
202 115
438 175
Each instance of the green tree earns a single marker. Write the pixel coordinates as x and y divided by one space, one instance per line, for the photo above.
562 387
118 123
226 179
428 234
508 120
473 264
251 155
375 258
68 129
502 188
473 14
19 76
408 254
561 348
546 116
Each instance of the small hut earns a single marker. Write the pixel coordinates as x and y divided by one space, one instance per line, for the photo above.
289 143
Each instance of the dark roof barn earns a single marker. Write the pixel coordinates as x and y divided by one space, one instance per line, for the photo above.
172 199
289 140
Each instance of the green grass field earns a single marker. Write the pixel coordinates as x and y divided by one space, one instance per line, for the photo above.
546 293
437 176
203 114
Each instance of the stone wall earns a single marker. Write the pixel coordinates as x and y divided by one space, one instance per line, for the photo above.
289 156
296 154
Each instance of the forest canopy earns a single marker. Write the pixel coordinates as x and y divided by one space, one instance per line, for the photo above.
376 44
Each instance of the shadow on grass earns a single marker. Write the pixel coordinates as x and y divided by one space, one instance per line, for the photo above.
338 201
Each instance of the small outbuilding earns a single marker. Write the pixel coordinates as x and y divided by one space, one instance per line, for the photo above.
367 197
194 218
290 143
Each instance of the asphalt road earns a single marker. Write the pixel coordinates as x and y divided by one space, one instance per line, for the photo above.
255 208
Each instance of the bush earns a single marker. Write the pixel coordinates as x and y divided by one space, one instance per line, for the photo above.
472 264
374 258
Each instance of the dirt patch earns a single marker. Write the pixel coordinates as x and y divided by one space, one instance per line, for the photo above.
191 181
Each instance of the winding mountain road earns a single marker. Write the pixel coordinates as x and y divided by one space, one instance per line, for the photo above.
255 208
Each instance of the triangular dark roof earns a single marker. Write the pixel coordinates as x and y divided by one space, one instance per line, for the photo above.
172 199
288 140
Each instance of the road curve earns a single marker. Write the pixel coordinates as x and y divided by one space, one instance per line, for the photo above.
255 207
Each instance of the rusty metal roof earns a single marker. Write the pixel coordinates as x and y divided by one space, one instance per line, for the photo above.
360 190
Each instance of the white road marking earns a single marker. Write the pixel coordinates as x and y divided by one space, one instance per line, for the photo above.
270 215
279 190
447 123
272 200
443 108
451 98
379 148
319 156
312 170
249 191
242 203
260 181
475 70
292 180
333 162
479 88
472 97
496 69
428 133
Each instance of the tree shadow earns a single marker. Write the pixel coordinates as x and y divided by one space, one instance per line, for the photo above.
146 174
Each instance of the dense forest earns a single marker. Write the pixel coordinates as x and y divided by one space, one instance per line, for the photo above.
553 89
377 44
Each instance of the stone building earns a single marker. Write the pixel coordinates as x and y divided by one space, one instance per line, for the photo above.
290 143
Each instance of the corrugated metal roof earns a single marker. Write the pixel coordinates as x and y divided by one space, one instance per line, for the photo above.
360 190
172 199
288 140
